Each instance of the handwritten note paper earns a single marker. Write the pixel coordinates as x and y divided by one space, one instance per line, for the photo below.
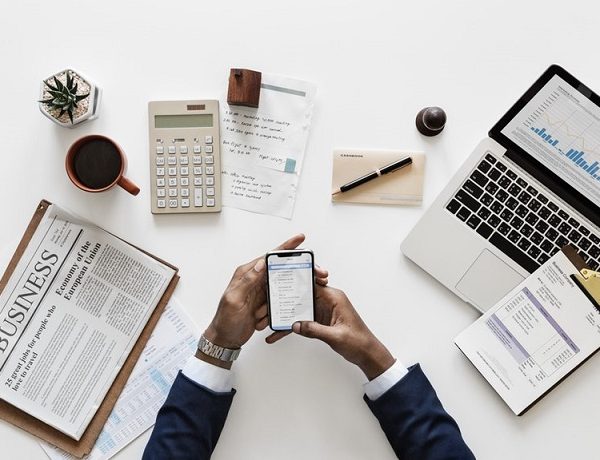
261 190
262 149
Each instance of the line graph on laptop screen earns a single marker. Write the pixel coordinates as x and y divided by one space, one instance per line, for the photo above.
560 128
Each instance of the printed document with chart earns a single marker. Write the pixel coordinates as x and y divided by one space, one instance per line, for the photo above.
534 337
262 149
172 343
70 314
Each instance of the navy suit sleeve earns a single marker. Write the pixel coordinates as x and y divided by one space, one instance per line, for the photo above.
415 422
189 423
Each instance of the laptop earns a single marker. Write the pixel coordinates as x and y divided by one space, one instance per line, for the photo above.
529 188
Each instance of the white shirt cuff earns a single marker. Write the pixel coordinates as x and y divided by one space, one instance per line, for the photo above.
379 385
208 375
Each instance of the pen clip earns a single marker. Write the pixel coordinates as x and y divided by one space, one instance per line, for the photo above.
589 281
586 279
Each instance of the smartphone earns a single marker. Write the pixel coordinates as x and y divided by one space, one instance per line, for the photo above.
290 287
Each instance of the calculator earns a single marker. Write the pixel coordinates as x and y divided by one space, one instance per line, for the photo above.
185 164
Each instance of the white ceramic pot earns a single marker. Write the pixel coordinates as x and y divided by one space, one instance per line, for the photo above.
87 108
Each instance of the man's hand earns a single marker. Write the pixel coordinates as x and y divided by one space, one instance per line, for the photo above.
339 325
243 307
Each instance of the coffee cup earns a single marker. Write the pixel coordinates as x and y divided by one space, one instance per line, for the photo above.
96 163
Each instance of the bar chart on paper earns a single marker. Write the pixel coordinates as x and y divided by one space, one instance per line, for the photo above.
560 127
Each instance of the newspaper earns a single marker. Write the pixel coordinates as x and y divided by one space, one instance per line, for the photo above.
69 316
170 346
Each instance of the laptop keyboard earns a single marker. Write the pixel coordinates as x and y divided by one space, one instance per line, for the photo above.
514 216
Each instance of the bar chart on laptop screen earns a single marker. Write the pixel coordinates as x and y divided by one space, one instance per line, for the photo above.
560 127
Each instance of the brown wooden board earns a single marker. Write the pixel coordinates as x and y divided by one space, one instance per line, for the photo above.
88 439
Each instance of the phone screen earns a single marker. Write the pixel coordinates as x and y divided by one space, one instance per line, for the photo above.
291 289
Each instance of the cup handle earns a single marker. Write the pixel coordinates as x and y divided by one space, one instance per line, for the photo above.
128 185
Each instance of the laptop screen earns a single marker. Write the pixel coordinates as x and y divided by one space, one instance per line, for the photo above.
560 128
553 132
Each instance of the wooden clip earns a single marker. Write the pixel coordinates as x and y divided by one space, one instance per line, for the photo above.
244 87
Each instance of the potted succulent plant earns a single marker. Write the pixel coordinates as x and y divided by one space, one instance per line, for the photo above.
67 98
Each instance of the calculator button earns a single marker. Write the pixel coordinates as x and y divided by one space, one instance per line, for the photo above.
197 181
160 192
184 170
160 161
210 202
172 160
197 170
185 203
160 171
172 192
210 170
185 192
183 149
172 182
161 203
184 161
208 139
198 197
172 171
210 191
171 149
210 181
172 203
208 149
209 159
197 149
184 181
160 182
160 149
197 160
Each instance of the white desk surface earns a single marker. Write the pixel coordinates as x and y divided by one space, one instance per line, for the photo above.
376 64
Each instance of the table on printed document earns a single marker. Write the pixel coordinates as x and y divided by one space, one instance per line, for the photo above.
375 65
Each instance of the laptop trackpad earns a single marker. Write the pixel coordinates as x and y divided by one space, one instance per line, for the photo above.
488 280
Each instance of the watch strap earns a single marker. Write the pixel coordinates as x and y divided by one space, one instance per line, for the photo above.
215 351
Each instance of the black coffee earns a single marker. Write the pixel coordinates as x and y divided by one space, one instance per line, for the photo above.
97 163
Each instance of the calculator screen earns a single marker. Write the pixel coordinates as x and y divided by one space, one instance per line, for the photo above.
204 120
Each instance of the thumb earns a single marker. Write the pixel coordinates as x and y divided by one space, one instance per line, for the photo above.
255 274
314 330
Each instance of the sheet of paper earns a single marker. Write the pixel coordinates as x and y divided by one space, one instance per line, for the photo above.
401 187
171 344
263 149
535 336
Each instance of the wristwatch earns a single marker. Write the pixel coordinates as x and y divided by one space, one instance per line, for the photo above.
215 351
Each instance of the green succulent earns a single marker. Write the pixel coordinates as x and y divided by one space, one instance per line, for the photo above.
63 97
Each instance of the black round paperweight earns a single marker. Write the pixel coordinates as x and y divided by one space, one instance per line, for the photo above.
431 121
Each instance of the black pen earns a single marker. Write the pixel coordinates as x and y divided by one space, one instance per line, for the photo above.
375 174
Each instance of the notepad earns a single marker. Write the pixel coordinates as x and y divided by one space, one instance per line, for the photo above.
263 148
402 187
